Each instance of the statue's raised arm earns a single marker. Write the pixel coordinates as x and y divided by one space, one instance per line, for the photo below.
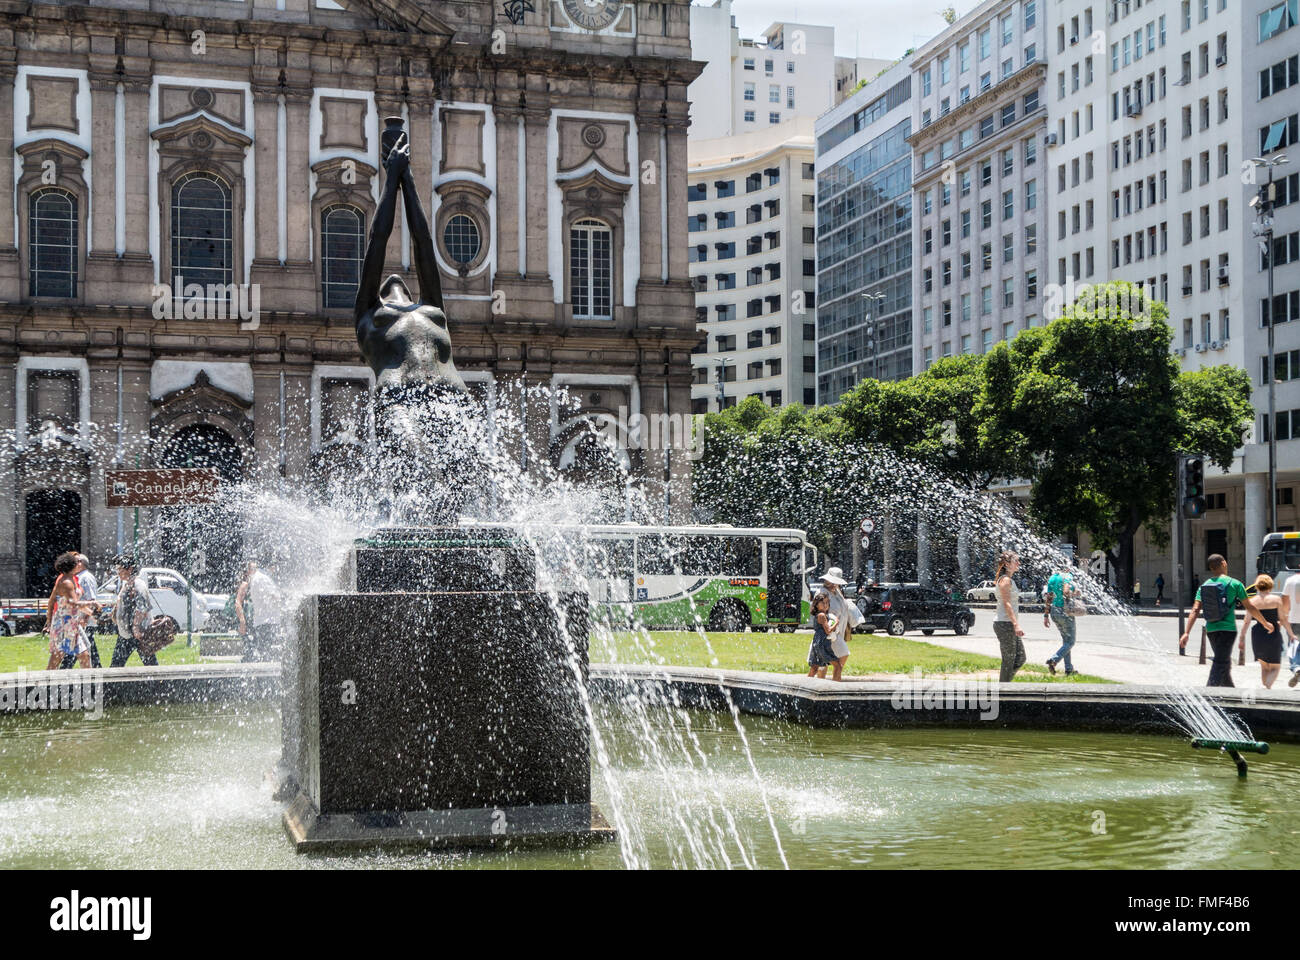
405 341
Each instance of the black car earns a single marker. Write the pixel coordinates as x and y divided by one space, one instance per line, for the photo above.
897 609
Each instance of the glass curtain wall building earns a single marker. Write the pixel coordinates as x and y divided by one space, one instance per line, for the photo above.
864 237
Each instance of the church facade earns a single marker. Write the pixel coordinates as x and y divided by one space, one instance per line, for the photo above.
186 205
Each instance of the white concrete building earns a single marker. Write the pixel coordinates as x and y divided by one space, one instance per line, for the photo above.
790 71
1154 108
751 221
979 180
751 207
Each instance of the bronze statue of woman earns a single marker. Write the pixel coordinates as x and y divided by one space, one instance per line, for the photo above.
428 443
404 340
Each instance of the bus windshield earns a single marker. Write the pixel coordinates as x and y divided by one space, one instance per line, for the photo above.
1280 555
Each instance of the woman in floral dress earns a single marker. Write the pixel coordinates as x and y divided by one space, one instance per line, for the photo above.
67 623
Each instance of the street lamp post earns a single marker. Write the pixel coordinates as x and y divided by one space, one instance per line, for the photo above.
871 331
1263 228
722 381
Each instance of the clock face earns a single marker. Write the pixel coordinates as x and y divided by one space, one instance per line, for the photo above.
593 14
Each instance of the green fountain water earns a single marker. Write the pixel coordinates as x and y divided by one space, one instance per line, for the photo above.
185 787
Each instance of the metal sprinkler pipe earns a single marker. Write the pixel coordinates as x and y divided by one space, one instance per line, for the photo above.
1234 749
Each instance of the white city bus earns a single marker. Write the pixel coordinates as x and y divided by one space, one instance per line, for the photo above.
1280 557
667 576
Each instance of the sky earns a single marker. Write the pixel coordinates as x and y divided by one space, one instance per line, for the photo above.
865 28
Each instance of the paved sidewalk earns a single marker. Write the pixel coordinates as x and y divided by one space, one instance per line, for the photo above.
1140 649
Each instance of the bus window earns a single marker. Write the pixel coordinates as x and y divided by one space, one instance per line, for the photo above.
742 557
658 555
701 556
609 559
609 570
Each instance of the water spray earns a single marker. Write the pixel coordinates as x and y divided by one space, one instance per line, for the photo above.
1234 749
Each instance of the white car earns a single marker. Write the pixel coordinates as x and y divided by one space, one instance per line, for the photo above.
987 591
168 591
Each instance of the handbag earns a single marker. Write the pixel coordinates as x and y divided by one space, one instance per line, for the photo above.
160 632
1077 608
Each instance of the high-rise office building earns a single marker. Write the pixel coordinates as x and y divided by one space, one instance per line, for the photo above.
979 180
1157 111
750 218
751 206
864 236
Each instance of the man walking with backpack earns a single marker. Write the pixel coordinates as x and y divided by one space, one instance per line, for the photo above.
1219 597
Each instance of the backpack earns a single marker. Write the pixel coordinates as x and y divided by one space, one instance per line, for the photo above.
1214 600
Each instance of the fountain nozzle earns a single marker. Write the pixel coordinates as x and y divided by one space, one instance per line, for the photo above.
1234 749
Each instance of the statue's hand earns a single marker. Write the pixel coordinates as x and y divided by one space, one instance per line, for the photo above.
399 158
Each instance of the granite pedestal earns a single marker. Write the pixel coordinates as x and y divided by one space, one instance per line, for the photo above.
439 702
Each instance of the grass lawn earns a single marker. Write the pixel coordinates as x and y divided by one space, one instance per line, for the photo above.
767 652
787 653
32 651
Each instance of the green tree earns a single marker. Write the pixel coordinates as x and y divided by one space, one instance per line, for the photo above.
1214 411
929 418
1093 409
786 466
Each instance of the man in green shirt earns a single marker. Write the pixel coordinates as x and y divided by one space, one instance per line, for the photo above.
1060 590
1221 617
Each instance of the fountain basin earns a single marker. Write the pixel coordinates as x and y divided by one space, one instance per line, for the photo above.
185 786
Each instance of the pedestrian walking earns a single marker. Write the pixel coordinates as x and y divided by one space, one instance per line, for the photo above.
820 655
1291 614
1265 646
1218 597
131 611
1006 620
66 622
1160 589
262 639
845 616
1059 610
89 591
1137 592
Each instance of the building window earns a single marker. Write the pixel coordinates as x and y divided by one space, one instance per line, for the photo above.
591 271
461 239
1274 20
342 230
52 243
202 234
53 402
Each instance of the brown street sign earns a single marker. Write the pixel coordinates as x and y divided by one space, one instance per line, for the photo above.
160 488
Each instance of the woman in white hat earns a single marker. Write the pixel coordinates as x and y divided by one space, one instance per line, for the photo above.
845 614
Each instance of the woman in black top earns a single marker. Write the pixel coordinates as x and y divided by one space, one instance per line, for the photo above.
1266 646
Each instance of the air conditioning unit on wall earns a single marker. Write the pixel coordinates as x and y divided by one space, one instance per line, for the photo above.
1200 348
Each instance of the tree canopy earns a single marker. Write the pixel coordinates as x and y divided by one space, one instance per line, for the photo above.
1091 410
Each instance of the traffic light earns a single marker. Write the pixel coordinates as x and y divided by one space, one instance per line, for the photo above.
1193 487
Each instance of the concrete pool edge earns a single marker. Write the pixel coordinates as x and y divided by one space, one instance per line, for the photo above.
905 701
950 702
